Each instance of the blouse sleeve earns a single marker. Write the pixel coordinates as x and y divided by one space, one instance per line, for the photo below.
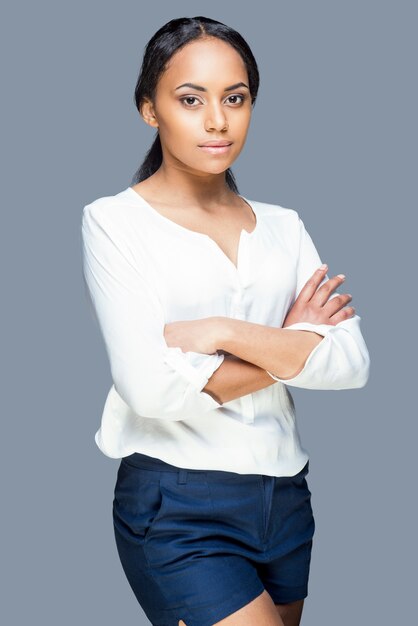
153 379
341 360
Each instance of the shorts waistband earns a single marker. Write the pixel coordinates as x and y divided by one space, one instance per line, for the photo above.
144 461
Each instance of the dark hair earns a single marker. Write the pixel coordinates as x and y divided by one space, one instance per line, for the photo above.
163 44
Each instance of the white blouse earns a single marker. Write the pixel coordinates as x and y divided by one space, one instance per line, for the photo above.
142 271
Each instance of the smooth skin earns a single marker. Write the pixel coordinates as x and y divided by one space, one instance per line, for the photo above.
190 189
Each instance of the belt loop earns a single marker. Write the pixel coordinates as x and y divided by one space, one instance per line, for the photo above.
182 476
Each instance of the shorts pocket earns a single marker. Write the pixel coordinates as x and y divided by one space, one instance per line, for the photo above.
137 501
183 520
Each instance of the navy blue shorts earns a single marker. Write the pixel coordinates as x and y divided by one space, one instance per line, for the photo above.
198 545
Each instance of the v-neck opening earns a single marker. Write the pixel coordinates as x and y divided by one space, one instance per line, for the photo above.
204 235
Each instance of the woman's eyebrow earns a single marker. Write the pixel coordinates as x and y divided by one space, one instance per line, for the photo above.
200 88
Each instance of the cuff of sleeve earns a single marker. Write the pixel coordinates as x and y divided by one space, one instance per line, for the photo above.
196 367
321 329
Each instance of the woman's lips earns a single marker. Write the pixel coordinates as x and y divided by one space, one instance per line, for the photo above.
216 149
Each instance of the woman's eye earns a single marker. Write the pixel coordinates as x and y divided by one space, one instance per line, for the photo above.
190 106
238 96
187 98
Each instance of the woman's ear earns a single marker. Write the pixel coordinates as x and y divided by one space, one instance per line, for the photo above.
148 114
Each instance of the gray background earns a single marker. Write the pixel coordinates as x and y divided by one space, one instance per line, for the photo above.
333 135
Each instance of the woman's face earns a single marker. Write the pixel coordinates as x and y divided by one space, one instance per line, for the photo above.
209 110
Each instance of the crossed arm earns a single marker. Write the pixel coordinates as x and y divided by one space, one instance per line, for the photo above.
332 355
237 377
249 351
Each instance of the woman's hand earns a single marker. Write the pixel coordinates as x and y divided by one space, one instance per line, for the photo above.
313 304
193 335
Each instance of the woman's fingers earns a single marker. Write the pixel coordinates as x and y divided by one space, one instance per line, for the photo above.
312 284
324 292
315 304
336 307
342 315
310 289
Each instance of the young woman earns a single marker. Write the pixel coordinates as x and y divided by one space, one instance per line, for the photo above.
210 304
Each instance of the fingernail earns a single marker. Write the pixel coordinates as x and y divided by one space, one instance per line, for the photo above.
341 276
323 266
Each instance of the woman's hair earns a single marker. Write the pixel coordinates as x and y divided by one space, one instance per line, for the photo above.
163 44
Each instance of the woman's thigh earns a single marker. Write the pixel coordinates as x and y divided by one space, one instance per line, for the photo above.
291 613
261 610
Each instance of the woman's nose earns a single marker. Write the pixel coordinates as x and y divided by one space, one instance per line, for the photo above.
216 119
